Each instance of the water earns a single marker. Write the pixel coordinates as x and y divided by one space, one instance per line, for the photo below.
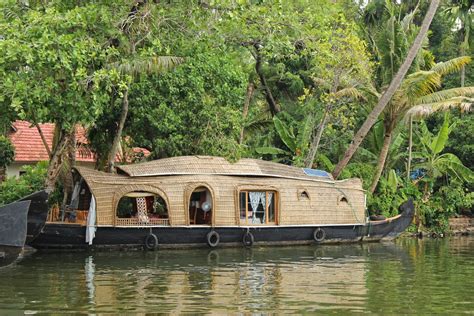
406 277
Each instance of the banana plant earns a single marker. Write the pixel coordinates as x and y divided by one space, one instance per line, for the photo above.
296 142
433 163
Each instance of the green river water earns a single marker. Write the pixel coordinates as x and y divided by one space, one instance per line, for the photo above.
430 276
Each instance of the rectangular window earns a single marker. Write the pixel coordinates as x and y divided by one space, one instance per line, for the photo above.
257 207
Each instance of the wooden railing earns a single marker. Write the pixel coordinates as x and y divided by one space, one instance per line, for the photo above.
69 217
142 222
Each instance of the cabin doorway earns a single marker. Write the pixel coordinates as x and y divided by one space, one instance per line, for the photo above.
200 207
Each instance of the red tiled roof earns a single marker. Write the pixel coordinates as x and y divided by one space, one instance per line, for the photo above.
27 141
29 146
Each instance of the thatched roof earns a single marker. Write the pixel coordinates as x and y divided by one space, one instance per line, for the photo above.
192 165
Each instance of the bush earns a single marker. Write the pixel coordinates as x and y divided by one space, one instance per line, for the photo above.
14 188
456 199
363 171
432 215
388 199
7 152
443 204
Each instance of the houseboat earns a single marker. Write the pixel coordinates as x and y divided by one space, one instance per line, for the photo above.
201 200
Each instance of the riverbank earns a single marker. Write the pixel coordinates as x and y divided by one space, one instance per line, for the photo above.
463 225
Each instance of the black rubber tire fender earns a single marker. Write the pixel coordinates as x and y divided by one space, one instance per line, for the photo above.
319 234
248 239
151 242
213 238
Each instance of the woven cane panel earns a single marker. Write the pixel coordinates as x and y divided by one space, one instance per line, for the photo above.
322 208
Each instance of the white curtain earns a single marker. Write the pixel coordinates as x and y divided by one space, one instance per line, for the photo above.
255 199
270 198
75 196
91 219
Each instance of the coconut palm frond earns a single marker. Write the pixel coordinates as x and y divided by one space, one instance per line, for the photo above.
423 110
258 124
452 65
445 95
419 84
350 92
147 65
369 88
408 19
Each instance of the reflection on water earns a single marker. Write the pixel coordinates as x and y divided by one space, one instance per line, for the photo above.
410 276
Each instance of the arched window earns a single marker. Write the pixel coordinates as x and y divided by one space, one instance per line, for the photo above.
342 199
200 206
142 208
303 195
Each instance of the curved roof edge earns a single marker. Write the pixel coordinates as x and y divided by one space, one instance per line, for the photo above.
189 165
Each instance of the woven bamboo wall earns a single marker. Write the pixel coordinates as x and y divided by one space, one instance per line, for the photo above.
324 205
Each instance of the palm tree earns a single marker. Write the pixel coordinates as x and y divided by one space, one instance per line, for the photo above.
417 94
460 13
392 88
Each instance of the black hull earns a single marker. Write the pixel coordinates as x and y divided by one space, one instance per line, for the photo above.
37 214
391 228
58 236
13 219
70 236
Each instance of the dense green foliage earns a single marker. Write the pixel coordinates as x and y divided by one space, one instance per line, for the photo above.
192 110
7 152
31 181
288 81
52 54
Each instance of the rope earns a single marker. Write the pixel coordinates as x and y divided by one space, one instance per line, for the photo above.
350 204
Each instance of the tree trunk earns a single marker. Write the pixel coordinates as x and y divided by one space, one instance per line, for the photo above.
118 134
382 157
426 193
313 149
394 85
274 107
248 99
56 160
2 174
464 45
66 176
410 145
40 131
43 139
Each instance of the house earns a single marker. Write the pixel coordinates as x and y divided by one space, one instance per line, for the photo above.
30 149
